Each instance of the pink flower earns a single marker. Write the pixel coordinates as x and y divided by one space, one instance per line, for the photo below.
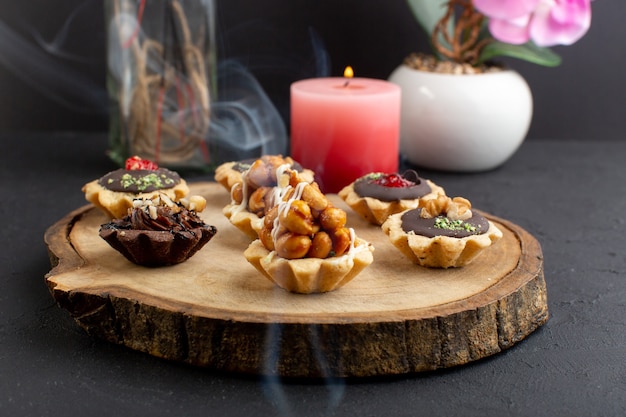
546 22
505 9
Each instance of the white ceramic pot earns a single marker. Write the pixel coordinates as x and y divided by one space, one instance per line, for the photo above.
463 123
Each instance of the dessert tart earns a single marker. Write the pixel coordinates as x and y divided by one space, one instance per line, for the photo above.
115 192
441 233
377 195
158 231
252 197
304 245
230 173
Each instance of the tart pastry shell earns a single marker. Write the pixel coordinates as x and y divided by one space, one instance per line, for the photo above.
227 176
247 222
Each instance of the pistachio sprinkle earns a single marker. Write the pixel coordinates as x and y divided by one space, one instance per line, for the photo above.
149 180
447 224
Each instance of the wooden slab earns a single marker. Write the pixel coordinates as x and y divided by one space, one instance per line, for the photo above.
216 310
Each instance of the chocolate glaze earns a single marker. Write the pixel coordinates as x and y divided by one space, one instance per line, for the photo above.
169 239
412 222
166 220
365 187
242 166
139 180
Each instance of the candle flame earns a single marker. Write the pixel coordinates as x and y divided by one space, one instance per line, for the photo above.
348 72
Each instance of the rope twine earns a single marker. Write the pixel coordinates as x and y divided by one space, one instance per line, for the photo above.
169 104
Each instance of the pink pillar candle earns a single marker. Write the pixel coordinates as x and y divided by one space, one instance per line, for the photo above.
344 128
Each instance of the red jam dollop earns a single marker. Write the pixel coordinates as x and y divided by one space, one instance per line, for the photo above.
135 162
393 181
392 187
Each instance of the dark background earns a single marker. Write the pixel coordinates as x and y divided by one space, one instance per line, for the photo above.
52 72
52 60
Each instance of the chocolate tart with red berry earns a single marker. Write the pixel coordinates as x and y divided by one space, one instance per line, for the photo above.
377 195
139 179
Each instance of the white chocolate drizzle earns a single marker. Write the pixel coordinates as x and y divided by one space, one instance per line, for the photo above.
280 193
354 248
237 208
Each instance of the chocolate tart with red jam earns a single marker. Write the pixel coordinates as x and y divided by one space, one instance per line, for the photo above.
158 232
139 179
441 238
377 195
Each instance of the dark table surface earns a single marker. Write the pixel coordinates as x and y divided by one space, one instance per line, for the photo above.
570 195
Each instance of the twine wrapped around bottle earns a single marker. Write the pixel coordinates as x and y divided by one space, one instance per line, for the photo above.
160 64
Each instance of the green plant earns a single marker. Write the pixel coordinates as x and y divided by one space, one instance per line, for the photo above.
460 33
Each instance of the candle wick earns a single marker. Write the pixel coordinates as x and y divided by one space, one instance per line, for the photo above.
346 83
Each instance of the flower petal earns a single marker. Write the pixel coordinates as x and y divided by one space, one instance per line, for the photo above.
505 9
562 23
513 31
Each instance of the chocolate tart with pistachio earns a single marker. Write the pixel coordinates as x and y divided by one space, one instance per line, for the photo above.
140 179
442 233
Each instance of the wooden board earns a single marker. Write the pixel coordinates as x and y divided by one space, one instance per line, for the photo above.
216 310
